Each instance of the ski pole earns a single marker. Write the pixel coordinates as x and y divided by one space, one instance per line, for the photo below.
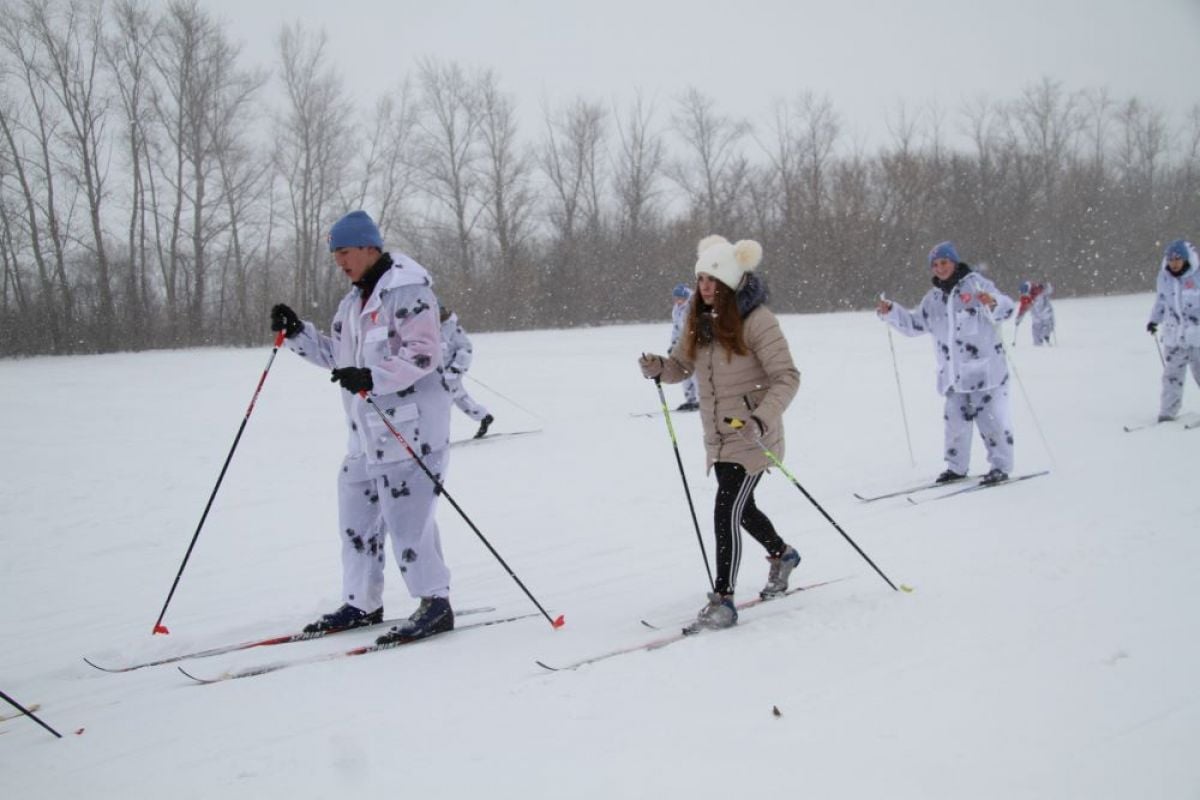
686 490
739 425
441 489
158 626
25 711
503 397
903 413
1158 347
1020 384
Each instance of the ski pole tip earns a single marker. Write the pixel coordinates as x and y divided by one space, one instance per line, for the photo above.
160 629
558 622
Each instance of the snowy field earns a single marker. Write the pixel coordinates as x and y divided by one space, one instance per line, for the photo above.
1048 649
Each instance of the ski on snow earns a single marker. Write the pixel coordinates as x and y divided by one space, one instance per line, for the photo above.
659 412
272 640
33 709
977 486
491 437
669 639
920 487
1189 423
263 669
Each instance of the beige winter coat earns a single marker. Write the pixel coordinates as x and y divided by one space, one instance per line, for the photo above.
761 383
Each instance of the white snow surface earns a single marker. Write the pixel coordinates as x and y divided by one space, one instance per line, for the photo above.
1048 648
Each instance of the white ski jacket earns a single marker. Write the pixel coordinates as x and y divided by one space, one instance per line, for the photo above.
1177 304
456 346
966 342
395 334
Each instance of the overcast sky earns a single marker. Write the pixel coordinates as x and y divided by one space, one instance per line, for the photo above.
867 56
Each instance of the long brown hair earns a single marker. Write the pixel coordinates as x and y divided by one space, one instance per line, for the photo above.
726 323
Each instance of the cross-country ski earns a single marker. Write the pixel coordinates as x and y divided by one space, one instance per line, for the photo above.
248 672
920 487
270 641
679 635
978 486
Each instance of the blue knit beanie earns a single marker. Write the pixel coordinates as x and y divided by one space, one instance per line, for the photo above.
1176 249
1025 287
356 229
943 250
681 291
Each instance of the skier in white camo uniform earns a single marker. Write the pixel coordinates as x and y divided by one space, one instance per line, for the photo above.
1035 300
681 295
1177 309
457 355
384 343
961 313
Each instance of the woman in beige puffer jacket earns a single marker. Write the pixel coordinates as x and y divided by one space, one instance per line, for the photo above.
733 346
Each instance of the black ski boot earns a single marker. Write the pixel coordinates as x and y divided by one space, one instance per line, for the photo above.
434 615
345 618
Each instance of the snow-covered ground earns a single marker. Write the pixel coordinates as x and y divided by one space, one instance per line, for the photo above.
1048 649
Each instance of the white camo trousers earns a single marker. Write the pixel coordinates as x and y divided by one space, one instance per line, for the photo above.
1177 360
989 411
464 401
400 503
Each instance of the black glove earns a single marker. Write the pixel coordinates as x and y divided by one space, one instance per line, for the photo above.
1152 327
284 319
353 379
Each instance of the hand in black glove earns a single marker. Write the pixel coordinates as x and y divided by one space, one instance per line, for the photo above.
1152 327
353 379
284 319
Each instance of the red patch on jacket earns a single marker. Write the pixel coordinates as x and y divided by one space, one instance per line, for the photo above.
965 297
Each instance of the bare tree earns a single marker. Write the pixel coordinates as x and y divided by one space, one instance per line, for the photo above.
70 37
505 173
571 159
713 171
127 56
388 173
30 130
448 138
640 162
314 145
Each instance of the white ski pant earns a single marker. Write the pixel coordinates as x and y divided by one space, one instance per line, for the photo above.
989 411
401 502
1177 360
689 390
1042 328
464 401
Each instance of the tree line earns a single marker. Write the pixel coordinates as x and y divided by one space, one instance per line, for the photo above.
156 191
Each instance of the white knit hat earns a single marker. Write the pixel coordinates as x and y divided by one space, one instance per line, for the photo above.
727 262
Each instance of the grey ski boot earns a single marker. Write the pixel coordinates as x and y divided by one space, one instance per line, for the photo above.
719 613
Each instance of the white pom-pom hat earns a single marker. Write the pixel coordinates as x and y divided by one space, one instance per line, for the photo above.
727 262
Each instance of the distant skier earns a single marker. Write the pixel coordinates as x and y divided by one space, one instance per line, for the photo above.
960 313
1177 309
1035 300
680 296
733 344
457 355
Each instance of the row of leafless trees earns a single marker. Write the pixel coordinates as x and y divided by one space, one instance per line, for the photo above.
155 191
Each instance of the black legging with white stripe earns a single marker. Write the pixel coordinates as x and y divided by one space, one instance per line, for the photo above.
735 501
